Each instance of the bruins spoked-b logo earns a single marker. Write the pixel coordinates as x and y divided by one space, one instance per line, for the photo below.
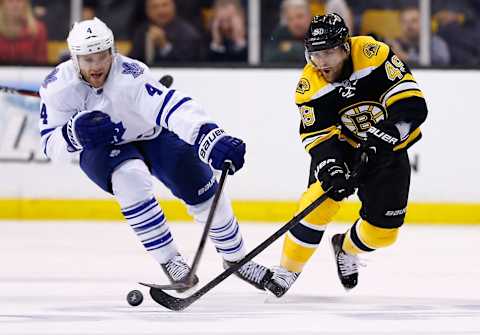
361 116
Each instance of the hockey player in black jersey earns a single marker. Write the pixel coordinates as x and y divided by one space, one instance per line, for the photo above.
354 96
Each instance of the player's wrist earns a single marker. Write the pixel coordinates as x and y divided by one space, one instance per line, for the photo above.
323 166
70 138
332 174
208 135
385 133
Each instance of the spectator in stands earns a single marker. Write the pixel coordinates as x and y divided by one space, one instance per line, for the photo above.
23 39
341 7
53 15
118 15
286 43
407 45
228 40
194 11
165 37
458 25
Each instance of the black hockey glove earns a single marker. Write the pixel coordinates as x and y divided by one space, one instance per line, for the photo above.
88 130
379 144
332 173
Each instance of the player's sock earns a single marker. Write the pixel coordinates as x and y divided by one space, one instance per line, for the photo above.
303 239
229 243
299 245
228 240
149 223
365 237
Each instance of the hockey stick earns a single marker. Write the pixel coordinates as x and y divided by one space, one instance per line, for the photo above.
11 90
178 304
166 80
188 281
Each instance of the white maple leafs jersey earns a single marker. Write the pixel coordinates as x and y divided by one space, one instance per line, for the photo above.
133 98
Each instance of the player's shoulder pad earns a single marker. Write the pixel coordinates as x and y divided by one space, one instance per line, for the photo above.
129 68
368 52
310 83
61 79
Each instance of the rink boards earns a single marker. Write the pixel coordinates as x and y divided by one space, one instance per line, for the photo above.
256 105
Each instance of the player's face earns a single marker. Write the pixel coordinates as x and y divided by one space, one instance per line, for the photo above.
95 67
329 62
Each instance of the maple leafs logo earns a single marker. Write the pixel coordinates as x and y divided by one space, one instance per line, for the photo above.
132 68
50 78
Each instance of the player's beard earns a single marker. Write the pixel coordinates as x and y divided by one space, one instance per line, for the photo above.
97 80
337 72
96 75
331 74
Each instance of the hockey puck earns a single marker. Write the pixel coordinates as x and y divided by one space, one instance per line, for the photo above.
166 80
134 297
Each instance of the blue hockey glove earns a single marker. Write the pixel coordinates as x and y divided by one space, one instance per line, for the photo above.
215 147
381 139
332 173
88 130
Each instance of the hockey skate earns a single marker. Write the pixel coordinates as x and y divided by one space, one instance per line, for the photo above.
253 273
347 265
281 281
176 270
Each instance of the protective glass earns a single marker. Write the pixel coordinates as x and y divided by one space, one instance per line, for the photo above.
327 58
95 61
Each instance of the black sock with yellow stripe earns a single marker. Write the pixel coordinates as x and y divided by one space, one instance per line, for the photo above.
365 237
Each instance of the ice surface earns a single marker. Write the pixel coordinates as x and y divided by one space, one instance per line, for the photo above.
72 279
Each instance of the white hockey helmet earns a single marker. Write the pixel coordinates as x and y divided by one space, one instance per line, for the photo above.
88 37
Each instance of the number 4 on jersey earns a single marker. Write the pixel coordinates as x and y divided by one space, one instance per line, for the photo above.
152 90
395 69
43 114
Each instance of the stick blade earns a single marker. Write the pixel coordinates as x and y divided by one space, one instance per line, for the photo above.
175 286
168 301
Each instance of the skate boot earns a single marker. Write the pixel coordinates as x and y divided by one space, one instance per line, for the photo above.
251 272
281 281
176 270
347 265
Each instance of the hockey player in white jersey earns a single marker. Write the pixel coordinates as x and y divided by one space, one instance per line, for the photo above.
126 128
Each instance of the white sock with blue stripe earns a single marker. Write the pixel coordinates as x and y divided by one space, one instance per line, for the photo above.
225 231
148 221
228 240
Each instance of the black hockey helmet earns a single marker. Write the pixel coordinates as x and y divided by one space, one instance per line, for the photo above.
325 32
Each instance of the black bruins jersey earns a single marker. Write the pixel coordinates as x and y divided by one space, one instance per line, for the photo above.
381 87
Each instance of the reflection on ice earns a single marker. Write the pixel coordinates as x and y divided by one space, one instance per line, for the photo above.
72 278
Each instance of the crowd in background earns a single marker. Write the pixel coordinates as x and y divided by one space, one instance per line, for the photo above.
176 32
